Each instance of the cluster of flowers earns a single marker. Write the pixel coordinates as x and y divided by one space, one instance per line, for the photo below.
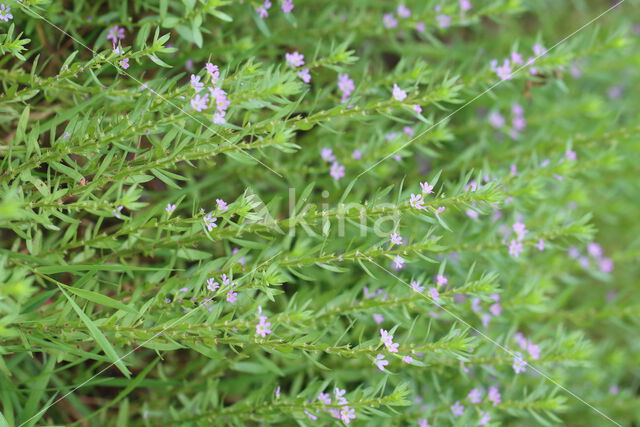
5 14
337 170
212 286
218 95
417 200
115 34
527 345
296 60
345 86
515 245
594 254
345 413
495 309
392 347
518 122
263 9
505 71
390 21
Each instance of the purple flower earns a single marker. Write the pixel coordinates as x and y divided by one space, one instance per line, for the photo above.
494 395
324 398
222 205
6 16
346 86
519 123
200 103
124 63
116 33
399 94
196 84
420 27
287 6
422 422
398 262
496 120
170 208
378 318
210 222
520 229
403 11
443 20
294 59
339 394
262 10
262 328
417 202
475 395
504 71
606 265
381 362
417 108
347 414
212 285
496 309
415 285
426 188
304 75
442 280
457 409
533 350
214 73
357 155
516 58
570 155
465 5
519 364
472 214
389 20
337 171
116 212
232 296
395 239
515 248
434 294
407 359
387 340
539 50
485 417
540 245
327 155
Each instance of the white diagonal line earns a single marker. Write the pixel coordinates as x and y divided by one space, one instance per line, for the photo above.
139 82
497 344
527 63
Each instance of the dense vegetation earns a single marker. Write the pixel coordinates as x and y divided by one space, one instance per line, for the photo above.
218 212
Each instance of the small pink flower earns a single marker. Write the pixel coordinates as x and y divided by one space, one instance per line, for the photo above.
196 84
434 294
287 6
324 398
504 71
378 318
212 285
420 27
441 280
263 327
222 205
304 75
213 71
295 59
465 5
124 63
519 364
200 103
497 120
540 245
426 188
347 414
170 208
403 11
327 155
399 94
346 87
357 155
381 362
515 248
389 21
398 262
407 359
210 222
337 171
232 296
395 239
116 33
494 395
417 202
417 108
457 409
475 396
415 285
443 20
485 417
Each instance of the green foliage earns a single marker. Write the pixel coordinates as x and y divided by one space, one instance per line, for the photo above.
108 310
